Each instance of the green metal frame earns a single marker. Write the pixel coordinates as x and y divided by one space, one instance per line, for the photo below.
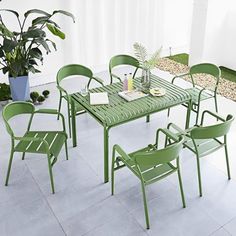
45 142
119 60
201 94
65 72
150 164
203 140
119 111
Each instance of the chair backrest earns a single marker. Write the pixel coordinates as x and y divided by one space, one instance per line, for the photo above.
206 68
73 69
14 109
161 156
123 60
212 131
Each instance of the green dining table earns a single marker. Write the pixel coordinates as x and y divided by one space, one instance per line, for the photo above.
120 111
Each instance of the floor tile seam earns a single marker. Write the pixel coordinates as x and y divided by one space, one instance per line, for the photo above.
215 220
221 227
110 221
130 214
45 198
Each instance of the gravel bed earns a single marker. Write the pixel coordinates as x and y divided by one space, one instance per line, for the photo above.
226 88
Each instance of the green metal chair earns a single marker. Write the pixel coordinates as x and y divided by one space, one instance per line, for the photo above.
119 60
204 140
72 70
200 94
151 163
45 142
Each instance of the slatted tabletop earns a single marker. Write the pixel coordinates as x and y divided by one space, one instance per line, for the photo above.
120 111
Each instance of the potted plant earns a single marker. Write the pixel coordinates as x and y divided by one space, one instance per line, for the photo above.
22 50
5 93
147 64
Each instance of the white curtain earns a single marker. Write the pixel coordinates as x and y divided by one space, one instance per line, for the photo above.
108 27
105 28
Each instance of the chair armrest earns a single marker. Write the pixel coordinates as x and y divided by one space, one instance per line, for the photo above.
167 133
48 111
115 76
121 152
217 116
52 112
179 130
99 80
178 76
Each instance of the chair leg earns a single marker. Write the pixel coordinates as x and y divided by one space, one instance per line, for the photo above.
9 167
69 116
227 162
145 205
112 173
216 105
199 176
23 156
181 188
59 107
147 118
168 112
50 174
66 148
198 110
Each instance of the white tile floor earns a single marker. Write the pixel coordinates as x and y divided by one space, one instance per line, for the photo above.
83 205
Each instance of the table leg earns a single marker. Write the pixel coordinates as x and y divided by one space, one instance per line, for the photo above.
73 123
106 154
188 114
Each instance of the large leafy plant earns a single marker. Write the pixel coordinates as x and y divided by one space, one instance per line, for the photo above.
141 54
21 50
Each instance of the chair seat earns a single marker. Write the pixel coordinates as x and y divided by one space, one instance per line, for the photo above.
205 146
194 92
150 174
55 140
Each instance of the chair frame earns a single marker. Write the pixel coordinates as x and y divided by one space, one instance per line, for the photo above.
152 157
28 108
119 60
72 70
204 68
200 132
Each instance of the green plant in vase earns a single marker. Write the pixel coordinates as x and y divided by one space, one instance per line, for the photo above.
147 64
21 49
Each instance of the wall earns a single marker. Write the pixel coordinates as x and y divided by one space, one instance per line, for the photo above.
107 27
219 45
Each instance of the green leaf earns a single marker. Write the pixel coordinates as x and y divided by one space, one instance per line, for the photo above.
54 30
43 43
5 69
32 62
140 52
34 33
35 53
9 10
53 44
42 20
33 70
37 11
64 13
1 52
9 45
6 32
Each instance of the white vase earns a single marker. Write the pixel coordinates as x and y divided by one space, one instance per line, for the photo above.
19 88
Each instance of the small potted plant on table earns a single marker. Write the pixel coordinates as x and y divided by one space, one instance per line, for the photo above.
22 50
